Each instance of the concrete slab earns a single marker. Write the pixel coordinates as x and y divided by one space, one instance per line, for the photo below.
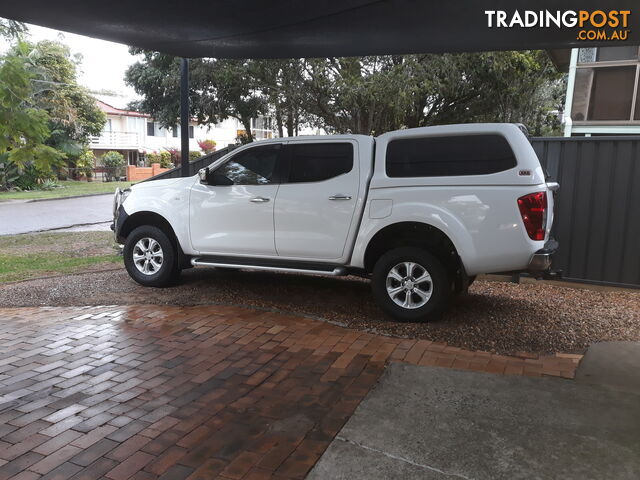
613 364
427 422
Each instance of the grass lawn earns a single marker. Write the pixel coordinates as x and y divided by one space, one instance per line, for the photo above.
68 188
42 254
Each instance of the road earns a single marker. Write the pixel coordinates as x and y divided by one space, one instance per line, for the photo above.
52 214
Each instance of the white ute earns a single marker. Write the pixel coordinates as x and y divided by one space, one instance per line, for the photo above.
420 211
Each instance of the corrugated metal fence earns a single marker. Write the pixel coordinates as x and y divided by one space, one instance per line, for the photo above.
597 213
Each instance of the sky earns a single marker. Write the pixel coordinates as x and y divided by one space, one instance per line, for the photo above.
103 63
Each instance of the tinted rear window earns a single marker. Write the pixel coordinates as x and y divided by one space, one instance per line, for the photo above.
315 162
449 156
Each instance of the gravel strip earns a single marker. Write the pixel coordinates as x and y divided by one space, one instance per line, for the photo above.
495 316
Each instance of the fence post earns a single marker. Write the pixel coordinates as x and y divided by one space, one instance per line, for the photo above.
131 170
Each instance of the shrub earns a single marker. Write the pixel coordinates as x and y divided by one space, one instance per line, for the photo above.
9 173
85 163
165 159
193 155
30 176
113 162
48 184
153 157
175 154
207 146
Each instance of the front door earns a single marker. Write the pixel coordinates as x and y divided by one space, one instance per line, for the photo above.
316 202
237 218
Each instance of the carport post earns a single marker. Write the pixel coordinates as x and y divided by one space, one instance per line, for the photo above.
184 118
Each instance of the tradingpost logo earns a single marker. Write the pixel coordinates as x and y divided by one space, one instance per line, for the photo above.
592 24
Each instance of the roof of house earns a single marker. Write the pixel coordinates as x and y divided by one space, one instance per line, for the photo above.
108 109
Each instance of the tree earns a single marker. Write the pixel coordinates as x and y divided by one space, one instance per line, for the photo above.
23 125
74 115
11 29
381 93
366 95
282 82
219 89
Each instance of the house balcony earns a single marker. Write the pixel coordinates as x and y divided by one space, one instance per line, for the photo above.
116 140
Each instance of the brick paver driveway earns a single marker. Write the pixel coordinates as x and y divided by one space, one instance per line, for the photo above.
150 392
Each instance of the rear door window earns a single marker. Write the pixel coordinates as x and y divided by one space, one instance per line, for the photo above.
449 156
316 162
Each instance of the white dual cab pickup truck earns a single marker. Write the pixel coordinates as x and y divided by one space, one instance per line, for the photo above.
420 211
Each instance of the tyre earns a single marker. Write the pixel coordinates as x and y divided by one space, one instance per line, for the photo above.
150 257
411 285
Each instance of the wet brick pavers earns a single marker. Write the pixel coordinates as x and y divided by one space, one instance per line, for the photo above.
152 392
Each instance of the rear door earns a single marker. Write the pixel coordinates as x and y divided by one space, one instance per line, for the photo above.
316 201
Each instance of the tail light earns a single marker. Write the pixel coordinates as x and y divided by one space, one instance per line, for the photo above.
533 208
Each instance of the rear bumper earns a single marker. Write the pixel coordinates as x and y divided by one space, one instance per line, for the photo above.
540 262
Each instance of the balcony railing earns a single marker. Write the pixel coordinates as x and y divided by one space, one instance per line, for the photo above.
262 133
115 139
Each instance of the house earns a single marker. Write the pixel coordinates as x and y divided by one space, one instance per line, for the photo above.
134 133
603 90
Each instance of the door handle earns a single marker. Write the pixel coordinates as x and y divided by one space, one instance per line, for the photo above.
259 200
338 196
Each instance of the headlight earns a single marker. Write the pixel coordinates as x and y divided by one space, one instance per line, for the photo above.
125 193
118 199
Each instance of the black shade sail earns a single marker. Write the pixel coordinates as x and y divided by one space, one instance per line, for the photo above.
311 28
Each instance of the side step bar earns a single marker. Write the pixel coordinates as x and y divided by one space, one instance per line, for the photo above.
336 271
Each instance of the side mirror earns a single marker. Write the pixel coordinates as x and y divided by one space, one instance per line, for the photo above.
203 175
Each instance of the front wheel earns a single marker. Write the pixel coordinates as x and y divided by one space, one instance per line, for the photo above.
411 285
150 257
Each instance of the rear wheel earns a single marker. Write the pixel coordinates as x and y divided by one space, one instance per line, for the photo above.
410 284
150 257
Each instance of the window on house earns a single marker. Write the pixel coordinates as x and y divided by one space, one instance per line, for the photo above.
151 129
316 162
612 93
174 131
605 93
449 156
581 92
191 131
